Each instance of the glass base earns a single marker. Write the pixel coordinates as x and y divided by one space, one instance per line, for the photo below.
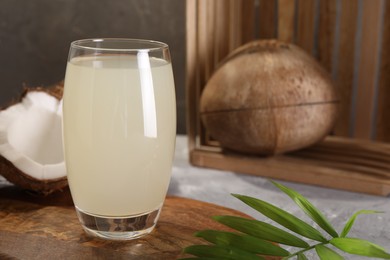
118 228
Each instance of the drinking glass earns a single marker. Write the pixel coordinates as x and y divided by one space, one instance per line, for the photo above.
119 127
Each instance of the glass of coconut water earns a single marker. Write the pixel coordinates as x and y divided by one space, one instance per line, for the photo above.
119 126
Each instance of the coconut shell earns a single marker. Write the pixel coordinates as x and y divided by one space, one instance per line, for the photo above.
21 179
56 90
269 97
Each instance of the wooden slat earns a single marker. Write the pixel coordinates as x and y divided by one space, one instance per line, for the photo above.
222 30
353 164
368 66
204 58
305 30
357 156
212 44
343 68
326 33
283 167
235 24
383 115
191 70
210 39
247 20
315 167
202 38
286 12
267 19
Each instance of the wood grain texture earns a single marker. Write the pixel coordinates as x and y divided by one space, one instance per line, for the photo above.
206 44
326 33
367 70
48 228
383 109
267 14
221 30
248 21
340 163
305 30
343 71
286 20
203 41
235 24
365 157
191 70
202 57
209 38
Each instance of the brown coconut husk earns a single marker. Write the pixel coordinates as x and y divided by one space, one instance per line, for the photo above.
22 180
56 90
268 97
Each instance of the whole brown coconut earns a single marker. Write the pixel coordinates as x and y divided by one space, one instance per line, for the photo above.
21 177
268 97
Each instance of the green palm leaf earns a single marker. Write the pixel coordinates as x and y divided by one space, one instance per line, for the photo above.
282 217
220 252
199 258
301 257
351 221
358 246
309 209
244 242
253 241
261 230
326 253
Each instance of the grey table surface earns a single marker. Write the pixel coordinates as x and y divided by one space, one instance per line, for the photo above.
215 186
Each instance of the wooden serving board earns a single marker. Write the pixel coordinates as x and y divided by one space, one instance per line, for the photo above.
34 227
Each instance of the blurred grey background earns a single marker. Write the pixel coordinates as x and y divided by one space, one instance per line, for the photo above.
35 37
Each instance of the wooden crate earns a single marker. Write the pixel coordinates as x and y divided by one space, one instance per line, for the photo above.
349 38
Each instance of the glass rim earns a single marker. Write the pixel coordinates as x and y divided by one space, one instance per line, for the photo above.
150 45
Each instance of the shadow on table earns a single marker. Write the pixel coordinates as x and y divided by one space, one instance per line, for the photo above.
58 198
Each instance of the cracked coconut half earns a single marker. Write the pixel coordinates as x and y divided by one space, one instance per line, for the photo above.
31 154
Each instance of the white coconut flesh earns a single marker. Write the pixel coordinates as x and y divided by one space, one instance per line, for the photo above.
31 136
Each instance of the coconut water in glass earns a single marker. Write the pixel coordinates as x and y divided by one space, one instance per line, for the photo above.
119 127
